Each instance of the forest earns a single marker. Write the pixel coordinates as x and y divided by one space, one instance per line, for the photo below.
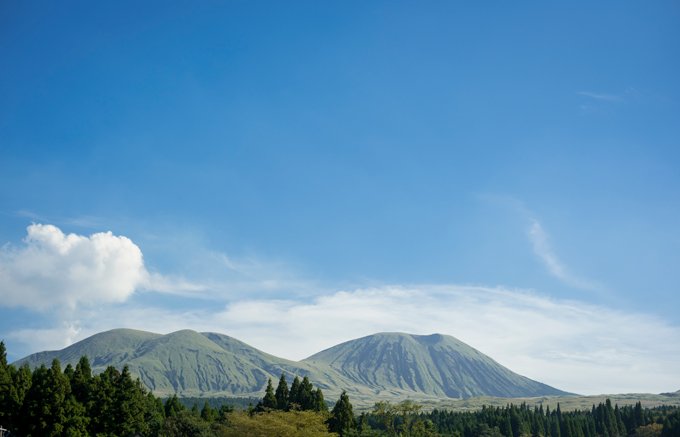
49 401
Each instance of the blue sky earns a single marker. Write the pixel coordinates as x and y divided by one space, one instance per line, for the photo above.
259 162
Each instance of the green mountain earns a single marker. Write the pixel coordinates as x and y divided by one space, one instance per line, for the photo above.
188 363
437 365
382 366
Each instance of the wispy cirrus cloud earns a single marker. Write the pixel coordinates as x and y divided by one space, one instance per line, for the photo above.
539 239
82 221
602 96
540 242
252 274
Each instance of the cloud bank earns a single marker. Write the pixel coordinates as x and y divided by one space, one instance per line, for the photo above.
571 345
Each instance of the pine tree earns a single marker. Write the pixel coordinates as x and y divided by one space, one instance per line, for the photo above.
506 426
318 401
32 422
269 400
103 396
208 413
384 411
306 398
5 387
282 394
611 427
342 419
129 407
554 427
48 409
21 384
68 372
638 417
294 395
77 419
173 406
154 414
362 423
57 394
81 382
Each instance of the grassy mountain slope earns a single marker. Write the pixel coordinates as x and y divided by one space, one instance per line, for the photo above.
112 348
436 365
381 366
188 363
324 377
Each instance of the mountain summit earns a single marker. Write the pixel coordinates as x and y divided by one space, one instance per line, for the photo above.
379 366
438 365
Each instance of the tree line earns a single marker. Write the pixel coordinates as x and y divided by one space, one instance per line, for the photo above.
49 401
404 419
301 396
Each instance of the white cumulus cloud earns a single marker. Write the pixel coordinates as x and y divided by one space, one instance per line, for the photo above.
53 269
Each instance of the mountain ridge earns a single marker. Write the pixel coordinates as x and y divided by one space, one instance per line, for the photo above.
379 366
436 363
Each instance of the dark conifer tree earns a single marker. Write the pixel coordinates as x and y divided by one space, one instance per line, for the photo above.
610 419
223 412
32 422
20 385
5 388
49 409
342 419
638 417
554 426
362 423
208 413
68 372
173 406
506 426
282 394
81 382
294 395
102 416
58 391
306 398
269 400
620 427
318 401
130 405
154 414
